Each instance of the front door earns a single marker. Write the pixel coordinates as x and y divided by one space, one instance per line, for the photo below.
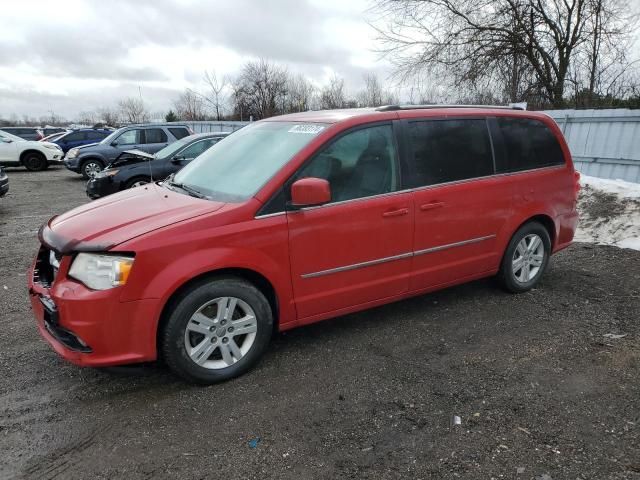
460 204
356 249
8 150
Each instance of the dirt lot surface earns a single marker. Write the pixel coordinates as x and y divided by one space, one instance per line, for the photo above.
541 391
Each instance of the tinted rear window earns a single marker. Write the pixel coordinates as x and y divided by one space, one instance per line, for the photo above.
179 132
449 150
96 135
155 135
528 144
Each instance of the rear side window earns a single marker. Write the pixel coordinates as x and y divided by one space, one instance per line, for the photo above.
179 132
449 150
95 135
155 135
528 144
74 137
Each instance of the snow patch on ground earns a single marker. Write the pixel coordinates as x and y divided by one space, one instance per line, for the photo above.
609 212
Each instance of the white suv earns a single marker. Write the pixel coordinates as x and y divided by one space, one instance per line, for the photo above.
15 151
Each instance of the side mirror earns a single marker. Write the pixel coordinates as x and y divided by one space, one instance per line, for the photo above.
308 192
177 159
7 140
114 143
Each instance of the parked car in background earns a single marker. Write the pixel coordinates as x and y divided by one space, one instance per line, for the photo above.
91 159
81 136
26 133
34 155
46 131
4 183
299 218
133 168
53 137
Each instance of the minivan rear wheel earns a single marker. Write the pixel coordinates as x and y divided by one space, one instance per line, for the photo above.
217 330
526 258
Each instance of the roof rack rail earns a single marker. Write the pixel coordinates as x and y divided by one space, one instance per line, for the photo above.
391 108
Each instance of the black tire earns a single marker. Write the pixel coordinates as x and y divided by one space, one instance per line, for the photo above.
35 162
172 338
133 181
90 167
512 281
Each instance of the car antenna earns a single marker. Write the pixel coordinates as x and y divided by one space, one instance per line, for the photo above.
150 169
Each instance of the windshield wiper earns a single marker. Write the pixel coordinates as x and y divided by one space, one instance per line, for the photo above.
187 188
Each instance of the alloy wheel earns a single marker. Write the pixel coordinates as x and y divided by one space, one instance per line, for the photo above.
528 258
92 168
220 333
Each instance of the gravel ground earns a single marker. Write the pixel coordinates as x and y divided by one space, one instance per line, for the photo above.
540 389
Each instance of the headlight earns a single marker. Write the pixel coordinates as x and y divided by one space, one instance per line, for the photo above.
106 173
101 272
73 153
52 146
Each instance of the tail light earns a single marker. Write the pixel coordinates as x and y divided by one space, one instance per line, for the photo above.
576 186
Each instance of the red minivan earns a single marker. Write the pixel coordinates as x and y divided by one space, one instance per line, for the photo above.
300 218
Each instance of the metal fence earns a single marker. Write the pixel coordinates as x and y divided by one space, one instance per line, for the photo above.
205 127
603 143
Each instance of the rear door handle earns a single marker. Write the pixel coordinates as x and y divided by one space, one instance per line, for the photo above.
430 206
395 213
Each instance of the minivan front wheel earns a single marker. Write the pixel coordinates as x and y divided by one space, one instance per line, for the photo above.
217 330
526 258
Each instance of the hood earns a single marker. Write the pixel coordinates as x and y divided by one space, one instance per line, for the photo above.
105 223
88 145
131 156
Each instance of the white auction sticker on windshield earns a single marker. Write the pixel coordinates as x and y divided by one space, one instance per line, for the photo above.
306 128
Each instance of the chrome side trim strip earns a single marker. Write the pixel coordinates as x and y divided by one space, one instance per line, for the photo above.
358 265
269 215
395 257
452 245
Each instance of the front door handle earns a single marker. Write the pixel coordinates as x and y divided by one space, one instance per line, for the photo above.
430 206
395 213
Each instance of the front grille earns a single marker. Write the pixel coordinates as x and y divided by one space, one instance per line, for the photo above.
45 272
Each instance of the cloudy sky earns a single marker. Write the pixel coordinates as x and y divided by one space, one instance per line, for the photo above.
80 55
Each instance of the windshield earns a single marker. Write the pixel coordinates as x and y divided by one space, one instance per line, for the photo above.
236 167
111 137
172 148
10 136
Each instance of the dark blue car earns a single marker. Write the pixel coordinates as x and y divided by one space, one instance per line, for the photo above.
81 136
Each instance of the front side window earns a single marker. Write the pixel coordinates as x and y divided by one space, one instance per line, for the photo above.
155 135
359 164
528 144
236 167
192 151
130 137
449 150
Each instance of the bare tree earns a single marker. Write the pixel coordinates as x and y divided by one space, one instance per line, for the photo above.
190 106
109 116
530 43
87 118
301 94
374 94
216 96
333 95
132 110
262 89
